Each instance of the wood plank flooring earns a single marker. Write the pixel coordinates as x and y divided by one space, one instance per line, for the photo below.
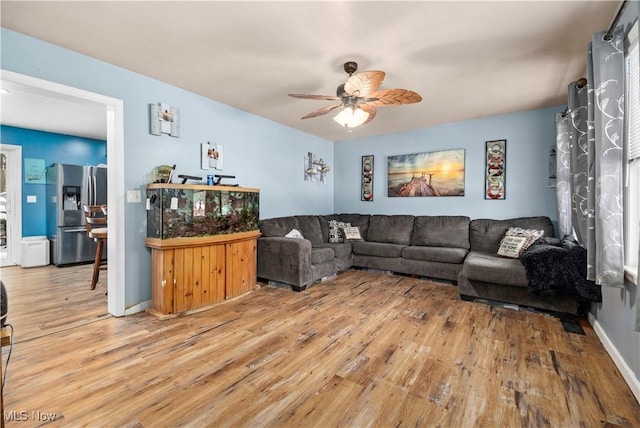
362 349
48 299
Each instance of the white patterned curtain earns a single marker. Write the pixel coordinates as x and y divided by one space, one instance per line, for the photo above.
563 174
578 112
608 85
595 183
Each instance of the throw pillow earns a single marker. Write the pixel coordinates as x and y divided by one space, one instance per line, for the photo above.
334 230
516 240
294 233
351 234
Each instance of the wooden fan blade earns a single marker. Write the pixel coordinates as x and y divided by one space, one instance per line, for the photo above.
316 97
321 111
363 84
369 109
392 97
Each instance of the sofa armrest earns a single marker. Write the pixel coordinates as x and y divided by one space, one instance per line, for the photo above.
286 260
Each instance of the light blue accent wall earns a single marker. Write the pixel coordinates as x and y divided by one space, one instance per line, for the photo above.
52 148
259 152
529 136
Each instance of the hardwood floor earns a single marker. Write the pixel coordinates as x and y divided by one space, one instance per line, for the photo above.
49 299
362 349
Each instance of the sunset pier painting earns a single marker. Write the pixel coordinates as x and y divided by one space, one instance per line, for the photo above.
426 174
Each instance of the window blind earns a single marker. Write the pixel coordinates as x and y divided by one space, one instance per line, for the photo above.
633 103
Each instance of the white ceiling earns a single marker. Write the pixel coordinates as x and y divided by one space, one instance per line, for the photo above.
31 108
466 59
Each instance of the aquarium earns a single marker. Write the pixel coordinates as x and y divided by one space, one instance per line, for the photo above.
183 210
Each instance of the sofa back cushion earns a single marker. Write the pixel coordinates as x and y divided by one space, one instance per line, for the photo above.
441 231
485 234
309 225
278 226
391 229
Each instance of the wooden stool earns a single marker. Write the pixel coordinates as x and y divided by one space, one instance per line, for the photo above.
96 223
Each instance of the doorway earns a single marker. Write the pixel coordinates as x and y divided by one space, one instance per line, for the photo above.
10 204
115 159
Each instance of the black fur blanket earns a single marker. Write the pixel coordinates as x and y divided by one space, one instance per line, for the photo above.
559 266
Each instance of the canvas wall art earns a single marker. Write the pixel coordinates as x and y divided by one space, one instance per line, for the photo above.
366 186
426 174
495 169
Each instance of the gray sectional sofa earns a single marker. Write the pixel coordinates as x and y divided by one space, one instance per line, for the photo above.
488 276
453 248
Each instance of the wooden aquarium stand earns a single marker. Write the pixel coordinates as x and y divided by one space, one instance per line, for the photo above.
191 274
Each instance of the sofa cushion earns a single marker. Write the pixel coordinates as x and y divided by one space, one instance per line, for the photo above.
335 230
540 223
351 234
359 220
516 241
441 231
309 225
341 250
435 254
392 229
485 234
324 225
279 226
294 233
321 255
491 268
377 249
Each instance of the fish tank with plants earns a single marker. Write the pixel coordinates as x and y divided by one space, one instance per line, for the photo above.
183 211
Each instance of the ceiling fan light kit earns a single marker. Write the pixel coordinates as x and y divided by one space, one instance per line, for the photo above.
350 117
359 97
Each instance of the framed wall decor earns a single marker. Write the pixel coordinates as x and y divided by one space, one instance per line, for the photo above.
366 186
315 169
164 119
495 169
426 174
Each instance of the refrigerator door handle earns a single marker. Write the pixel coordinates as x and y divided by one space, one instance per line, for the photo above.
88 190
90 186
95 190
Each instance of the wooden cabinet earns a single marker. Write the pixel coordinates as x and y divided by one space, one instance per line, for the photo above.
188 274
241 267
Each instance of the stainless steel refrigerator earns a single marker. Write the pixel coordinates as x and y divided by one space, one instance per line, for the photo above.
68 186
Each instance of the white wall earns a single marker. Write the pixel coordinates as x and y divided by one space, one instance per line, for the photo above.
529 136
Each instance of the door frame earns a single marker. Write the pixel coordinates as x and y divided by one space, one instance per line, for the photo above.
14 189
115 179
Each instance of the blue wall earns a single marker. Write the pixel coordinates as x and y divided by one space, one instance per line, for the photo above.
52 148
529 136
261 153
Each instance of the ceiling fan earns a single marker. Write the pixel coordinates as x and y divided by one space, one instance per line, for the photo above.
360 96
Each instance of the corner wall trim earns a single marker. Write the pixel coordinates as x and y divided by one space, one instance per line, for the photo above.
625 370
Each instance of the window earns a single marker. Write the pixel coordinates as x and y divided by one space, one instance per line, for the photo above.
632 182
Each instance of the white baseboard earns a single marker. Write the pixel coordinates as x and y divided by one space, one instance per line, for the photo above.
625 370
140 307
